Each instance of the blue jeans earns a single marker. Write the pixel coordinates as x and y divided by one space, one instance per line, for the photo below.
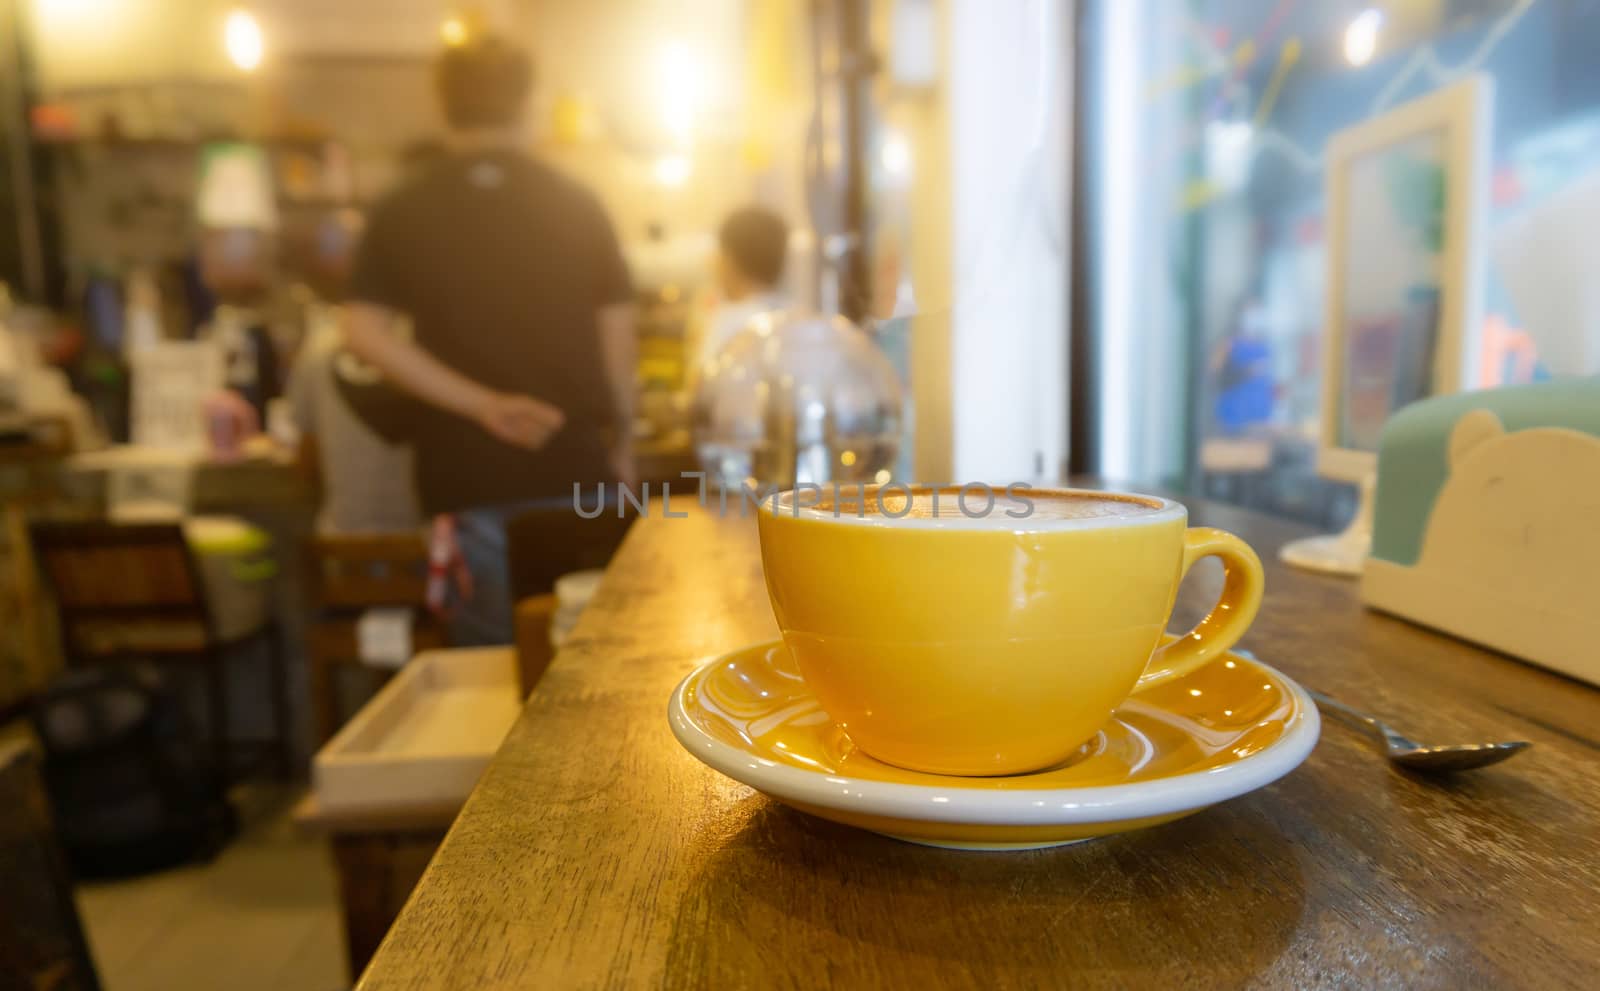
486 619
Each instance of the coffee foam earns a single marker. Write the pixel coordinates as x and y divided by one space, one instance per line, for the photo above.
1017 507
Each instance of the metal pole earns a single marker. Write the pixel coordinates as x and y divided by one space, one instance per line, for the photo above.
855 74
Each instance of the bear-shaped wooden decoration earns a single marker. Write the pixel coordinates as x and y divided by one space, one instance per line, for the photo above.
1511 553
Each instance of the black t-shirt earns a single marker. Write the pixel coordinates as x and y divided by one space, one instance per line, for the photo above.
502 264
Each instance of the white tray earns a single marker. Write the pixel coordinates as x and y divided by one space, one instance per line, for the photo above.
425 737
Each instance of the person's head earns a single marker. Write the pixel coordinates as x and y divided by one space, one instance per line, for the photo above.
482 84
752 246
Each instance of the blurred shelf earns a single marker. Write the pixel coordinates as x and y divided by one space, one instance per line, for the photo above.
177 144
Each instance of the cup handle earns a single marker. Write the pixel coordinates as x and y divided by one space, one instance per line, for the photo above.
1242 585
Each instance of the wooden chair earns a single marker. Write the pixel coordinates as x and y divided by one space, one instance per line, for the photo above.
349 575
533 618
543 545
133 591
41 938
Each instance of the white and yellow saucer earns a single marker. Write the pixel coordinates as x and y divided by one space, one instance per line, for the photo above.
1227 729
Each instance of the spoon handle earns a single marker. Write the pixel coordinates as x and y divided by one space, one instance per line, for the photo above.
1358 718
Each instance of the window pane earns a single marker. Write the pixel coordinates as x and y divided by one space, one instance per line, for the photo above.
1205 137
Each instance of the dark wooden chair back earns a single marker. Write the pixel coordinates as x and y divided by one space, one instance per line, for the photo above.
544 544
348 575
41 938
357 572
103 570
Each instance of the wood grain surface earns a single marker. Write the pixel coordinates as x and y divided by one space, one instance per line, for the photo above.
596 853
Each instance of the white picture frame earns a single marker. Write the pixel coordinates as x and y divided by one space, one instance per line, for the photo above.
1457 121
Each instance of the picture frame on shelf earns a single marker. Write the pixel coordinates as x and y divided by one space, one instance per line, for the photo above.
1406 197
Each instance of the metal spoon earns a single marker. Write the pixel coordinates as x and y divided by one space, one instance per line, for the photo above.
1411 754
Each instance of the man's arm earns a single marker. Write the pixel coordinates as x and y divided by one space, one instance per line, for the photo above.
619 346
520 420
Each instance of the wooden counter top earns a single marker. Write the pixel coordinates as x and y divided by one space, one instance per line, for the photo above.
596 853
267 482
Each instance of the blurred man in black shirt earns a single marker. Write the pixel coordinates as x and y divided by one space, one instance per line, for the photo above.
523 350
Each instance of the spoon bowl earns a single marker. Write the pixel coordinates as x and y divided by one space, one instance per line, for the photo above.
1459 757
1410 754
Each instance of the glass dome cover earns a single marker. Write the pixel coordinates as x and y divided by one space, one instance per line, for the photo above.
794 398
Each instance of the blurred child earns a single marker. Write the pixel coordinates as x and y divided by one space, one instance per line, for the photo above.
752 246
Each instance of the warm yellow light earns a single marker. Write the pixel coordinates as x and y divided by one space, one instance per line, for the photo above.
453 31
678 88
1361 36
67 11
673 170
847 458
895 155
241 35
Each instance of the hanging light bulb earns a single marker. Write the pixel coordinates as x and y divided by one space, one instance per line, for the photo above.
895 154
672 170
678 87
1361 36
241 36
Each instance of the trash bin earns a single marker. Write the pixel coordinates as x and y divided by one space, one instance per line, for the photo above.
236 564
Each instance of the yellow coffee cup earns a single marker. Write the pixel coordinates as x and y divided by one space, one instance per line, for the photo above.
986 631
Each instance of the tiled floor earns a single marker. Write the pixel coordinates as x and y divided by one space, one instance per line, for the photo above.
264 914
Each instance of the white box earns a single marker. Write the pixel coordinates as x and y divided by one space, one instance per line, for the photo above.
425 737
